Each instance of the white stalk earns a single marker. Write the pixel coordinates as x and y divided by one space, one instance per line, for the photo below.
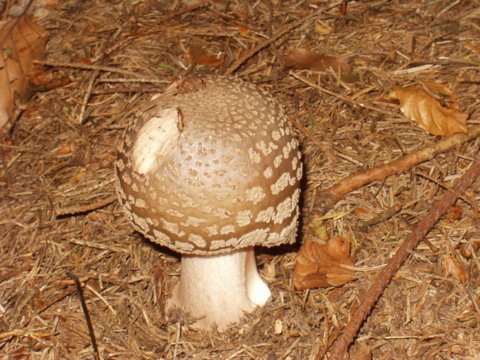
219 289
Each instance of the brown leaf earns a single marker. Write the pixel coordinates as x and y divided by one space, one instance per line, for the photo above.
442 91
320 265
430 115
200 56
245 31
306 59
21 42
453 267
455 212
467 249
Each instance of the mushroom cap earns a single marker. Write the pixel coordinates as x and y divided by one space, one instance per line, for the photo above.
209 166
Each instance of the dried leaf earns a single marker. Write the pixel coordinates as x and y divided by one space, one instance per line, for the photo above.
38 8
21 42
320 265
245 31
441 90
455 212
430 115
467 249
306 59
200 56
453 267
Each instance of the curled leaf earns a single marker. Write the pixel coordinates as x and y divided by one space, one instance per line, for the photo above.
21 42
323 265
306 59
420 106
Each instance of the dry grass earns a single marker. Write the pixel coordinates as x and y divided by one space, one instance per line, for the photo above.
61 162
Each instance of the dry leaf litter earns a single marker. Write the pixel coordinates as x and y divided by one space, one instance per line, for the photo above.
58 212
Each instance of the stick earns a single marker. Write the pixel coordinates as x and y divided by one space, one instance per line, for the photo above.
340 348
82 66
87 95
91 332
92 206
327 198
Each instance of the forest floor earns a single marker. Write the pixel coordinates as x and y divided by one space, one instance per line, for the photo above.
58 214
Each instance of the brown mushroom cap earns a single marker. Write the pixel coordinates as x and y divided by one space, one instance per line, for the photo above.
223 174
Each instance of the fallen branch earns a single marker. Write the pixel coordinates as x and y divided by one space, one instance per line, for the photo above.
341 346
327 198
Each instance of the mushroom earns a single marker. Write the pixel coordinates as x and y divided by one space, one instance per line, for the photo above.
210 169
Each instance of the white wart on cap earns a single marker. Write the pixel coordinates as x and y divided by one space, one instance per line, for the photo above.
212 168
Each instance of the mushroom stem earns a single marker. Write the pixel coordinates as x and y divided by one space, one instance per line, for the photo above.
219 289
258 292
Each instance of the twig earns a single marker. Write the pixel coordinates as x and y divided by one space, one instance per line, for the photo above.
327 149
465 198
328 197
77 209
50 303
98 245
322 146
384 216
340 348
102 298
136 80
96 355
53 302
137 77
90 67
177 340
342 97
28 333
294 24
87 95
